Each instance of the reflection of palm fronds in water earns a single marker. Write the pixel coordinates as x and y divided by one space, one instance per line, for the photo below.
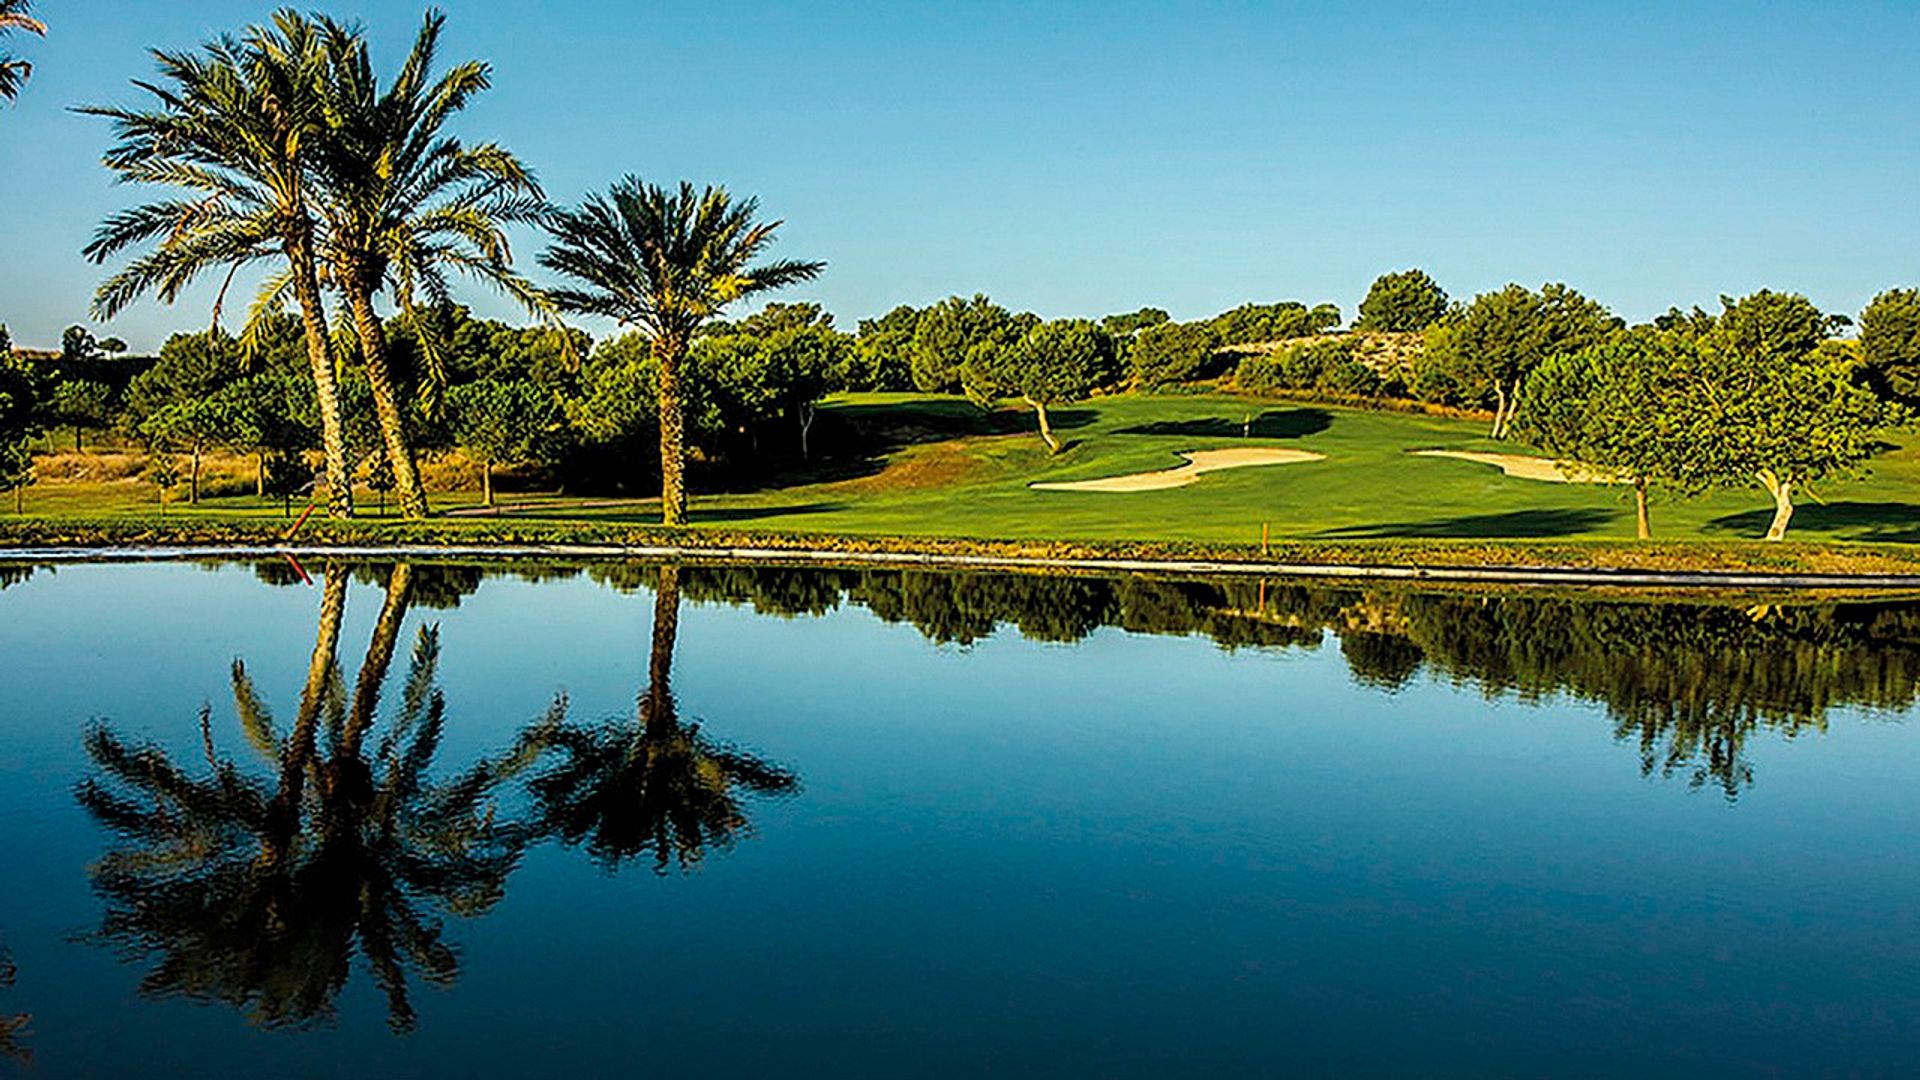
256 888
13 1029
657 786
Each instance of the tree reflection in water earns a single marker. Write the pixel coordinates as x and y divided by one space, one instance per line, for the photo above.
13 1028
258 890
655 786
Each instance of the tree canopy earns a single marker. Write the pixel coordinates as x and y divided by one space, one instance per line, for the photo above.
1405 301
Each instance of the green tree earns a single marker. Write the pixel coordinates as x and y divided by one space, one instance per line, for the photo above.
1775 402
882 352
1131 323
77 344
405 204
1492 344
951 331
1890 342
1253 324
232 126
193 427
1406 301
81 403
22 408
1621 406
503 422
1054 363
1167 354
14 71
665 263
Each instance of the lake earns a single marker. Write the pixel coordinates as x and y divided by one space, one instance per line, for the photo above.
419 819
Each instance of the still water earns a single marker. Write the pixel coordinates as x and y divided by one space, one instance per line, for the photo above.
430 820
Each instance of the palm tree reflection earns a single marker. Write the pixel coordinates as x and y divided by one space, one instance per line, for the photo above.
13 1029
655 786
258 890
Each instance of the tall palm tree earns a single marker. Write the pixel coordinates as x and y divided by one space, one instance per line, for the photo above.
664 263
260 892
405 204
659 786
13 70
231 125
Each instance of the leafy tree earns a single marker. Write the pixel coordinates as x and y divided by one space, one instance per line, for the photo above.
1131 323
14 71
882 352
192 426
1890 342
1621 406
666 263
1492 344
81 403
404 203
1252 324
765 370
1166 354
233 127
78 344
1406 301
511 421
1774 401
953 330
1054 363
22 407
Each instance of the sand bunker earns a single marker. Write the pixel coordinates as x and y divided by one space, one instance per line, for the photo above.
1531 468
1198 462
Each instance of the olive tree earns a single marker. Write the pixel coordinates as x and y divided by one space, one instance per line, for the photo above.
510 420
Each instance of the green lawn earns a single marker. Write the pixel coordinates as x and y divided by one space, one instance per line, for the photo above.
920 466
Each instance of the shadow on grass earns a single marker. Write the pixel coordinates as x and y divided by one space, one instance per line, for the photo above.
759 513
1273 424
855 441
1516 523
1885 522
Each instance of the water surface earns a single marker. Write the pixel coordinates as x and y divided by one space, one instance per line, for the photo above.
429 820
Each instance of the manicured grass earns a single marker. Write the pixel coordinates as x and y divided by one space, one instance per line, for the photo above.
938 467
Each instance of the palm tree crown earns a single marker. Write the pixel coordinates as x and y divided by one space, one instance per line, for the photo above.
13 70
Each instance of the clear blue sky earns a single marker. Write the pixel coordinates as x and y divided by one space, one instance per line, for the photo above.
1079 159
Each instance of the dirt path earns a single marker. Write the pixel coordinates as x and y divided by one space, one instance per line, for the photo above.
1198 463
1524 467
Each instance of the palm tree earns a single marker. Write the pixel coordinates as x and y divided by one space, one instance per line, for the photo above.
13 70
260 892
404 203
231 125
665 263
660 786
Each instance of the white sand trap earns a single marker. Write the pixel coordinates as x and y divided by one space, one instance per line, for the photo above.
1531 468
1198 462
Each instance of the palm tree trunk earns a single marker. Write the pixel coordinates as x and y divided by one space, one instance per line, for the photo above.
298 752
193 477
313 317
1643 527
673 439
386 406
486 481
